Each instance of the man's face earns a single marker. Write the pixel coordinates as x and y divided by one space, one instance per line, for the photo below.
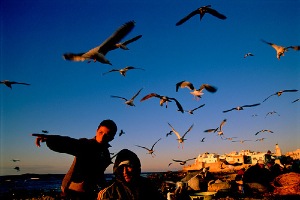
102 134
127 173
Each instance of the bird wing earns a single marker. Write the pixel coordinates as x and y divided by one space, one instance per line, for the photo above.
188 130
174 131
295 100
296 48
155 143
113 70
130 67
119 97
178 105
269 97
74 56
215 13
150 96
289 90
137 94
198 107
257 104
132 40
190 159
116 37
183 84
258 132
208 88
222 124
211 130
177 160
190 15
143 147
228 110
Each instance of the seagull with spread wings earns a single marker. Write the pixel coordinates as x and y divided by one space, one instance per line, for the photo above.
163 99
218 129
241 107
150 151
10 83
122 71
183 162
128 102
98 53
192 110
279 93
280 50
264 130
179 138
271 113
201 11
197 93
248 54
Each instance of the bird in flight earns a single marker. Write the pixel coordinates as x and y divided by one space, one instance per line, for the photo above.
192 111
121 132
271 113
295 100
280 50
183 162
179 138
15 160
45 131
197 93
201 11
218 129
230 138
248 54
279 93
260 139
98 53
10 83
169 133
122 71
163 99
128 102
264 130
202 140
150 151
241 141
123 45
17 168
241 107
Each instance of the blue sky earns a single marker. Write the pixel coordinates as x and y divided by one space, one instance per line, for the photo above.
71 98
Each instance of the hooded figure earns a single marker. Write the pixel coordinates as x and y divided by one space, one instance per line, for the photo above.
128 184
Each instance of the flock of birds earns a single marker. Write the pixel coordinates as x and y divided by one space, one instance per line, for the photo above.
114 41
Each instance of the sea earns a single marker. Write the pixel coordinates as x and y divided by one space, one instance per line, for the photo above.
38 183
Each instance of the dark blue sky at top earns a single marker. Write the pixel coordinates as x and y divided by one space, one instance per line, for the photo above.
71 98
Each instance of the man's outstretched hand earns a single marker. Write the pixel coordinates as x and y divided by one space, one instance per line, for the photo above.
39 138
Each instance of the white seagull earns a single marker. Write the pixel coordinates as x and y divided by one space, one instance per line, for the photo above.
150 151
183 162
248 54
241 107
197 93
279 93
192 110
264 130
122 71
280 50
129 102
179 138
98 53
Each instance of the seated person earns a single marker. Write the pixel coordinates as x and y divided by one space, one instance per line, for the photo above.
128 184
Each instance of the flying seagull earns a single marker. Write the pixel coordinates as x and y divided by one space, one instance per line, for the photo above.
197 93
241 107
128 102
202 140
169 133
15 160
271 113
264 130
98 53
150 151
183 162
121 132
248 54
241 141
192 111
279 93
122 71
10 83
179 138
45 131
218 129
163 99
17 168
260 139
280 50
201 11
123 45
